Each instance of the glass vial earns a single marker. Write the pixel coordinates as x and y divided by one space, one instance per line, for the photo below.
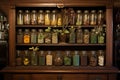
19 36
101 37
26 59
26 17
93 36
34 58
93 58
86 36
18 58
59 19
54 18
76 59
40 38
72 35
41 17
100 17
33 36
41 58
79 18
48 36
49 58
26 37
84 58
79 36
20 17
72 18
33 17
101 58
93 17
86 17
54 36
47 17
67 59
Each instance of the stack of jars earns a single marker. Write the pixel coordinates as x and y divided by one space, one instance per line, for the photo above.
60 58
55 18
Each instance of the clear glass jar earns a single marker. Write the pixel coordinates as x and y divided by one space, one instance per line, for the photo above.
72 35
54 18
20 36
86 17
49 58
84 58
33 36
26 58
72 18
101 37
20 17
48 36
93 36
67 59
26 17
93 58
54 36
41 58
47 17
33 17
79 18
86 36
41 17
59 19
100 17
76 58
40 38
26 37
34 58
79 36
93 17
101 58
18 58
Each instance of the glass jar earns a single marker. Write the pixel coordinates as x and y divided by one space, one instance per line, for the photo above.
86 17
40 36
100 17
93 17
26 17
41 58
48 36
79 36
59 19
47 17
86 36
34 58
101 37
33 17
26 59
76 59
26 37
18 58
101 58
54 18
41 17
93 36
19 36
33 36
49 58
79 17
20 17
84 58
72 35
58 61
93 59
72 18
54 36
67 59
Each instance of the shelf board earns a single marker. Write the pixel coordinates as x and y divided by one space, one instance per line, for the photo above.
60 44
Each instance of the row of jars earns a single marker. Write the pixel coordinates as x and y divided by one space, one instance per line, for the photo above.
50 37
60 58
56 18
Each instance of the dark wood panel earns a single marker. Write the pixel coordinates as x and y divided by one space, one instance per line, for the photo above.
98 77
22 77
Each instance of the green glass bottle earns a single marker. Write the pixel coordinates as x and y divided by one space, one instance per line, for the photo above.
34 58
76 59
67 59
41 58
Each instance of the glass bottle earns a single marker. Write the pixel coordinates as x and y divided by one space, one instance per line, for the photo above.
72 17
48 36
40 36
84 58
20 17
67 59
100 17
54 36
26 59
19 36
59 19
76 59
79 36
79 17
86 36
93 17
41 17
41 58
26 17
86 17
54 18
49 58
34 58
33 36
72 35
26 37
101 58
93 58
18 58
47 17
33 17
101 37
93 36
58 61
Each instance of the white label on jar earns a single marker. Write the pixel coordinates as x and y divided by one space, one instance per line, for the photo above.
101 61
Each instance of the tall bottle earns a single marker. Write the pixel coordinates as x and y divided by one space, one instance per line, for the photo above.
86 36
67 59
76 59
26 17
41 58
72 35
41 17
101 37
100 17
33 36
54 36
72 18
79 36
26 59
34 58
19 36
86 17
93 58
84 58
48 36
26 37
18 58
47 17
59 19
40 38
93 36
101 58
49 58
93 17
79 18
54 18
34 17
20 17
